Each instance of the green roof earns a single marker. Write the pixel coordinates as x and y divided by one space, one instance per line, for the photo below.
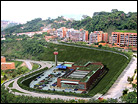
90 67
68 65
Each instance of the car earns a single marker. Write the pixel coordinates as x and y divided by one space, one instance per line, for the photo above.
75 89
39 87
59 74
35 79
43 85
42 80
39 77
36 86
83 92
42 75
46 82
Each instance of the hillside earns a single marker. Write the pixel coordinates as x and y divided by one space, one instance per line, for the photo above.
101 21
35 50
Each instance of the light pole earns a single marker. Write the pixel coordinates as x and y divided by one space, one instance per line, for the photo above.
55 53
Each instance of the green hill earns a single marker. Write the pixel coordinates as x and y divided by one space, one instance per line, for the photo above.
100 21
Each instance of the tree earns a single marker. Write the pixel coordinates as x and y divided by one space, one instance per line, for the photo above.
84 16
131 97
114 10
125 92
5 77
99 46
110 29
130 79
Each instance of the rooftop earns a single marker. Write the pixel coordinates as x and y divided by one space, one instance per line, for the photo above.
82 73
2 56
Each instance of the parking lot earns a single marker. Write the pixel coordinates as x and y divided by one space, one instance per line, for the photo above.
48 81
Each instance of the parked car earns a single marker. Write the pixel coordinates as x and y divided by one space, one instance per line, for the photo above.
83 92
59 74
42 75
42 80
39 77
75 89
40 87
43 85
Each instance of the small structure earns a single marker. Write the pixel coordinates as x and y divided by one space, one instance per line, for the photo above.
6 65
55 53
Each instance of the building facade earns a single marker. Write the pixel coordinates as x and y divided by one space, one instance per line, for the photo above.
6 65
77 35
127 39
61 32
3 59
98 36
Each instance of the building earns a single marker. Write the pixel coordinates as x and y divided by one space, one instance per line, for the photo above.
80 77
98 36
47 38
61 32
123 39
3 59
30 34
6 65
77 35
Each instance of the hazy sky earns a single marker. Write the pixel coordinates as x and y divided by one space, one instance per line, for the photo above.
23 11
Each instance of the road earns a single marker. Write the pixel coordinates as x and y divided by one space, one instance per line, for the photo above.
28 64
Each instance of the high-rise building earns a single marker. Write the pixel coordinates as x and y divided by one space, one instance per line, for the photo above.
127 39
77 35
98 36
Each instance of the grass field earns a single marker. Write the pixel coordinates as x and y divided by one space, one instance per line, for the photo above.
11 84
129 31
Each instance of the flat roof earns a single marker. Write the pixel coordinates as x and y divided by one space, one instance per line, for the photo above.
92 67
78 74
6 62
68 65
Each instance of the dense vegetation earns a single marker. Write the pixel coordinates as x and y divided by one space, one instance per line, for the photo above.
7 97
100 21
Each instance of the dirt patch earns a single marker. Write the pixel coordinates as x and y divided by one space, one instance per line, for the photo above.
23 64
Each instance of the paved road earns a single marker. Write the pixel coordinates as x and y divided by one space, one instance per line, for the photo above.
28 64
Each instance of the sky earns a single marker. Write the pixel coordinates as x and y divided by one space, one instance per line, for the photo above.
23 11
